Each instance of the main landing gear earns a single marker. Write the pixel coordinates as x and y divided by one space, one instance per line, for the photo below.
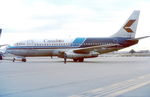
78 60
24 59
20 59
74 60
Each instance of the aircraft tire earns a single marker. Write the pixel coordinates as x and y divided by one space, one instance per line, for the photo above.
81 59
24 60
75 60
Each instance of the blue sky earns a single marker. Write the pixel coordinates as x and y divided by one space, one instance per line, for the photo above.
38 19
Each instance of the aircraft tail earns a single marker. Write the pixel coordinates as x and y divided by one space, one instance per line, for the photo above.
128 30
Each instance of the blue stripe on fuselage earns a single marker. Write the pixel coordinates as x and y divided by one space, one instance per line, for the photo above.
78 42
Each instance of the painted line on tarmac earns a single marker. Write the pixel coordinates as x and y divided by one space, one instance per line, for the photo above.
117 88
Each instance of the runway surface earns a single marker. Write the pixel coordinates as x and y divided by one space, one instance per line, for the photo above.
97 77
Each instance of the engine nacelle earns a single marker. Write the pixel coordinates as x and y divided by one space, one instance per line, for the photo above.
72 55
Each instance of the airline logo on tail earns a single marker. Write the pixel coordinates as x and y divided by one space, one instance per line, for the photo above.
127 27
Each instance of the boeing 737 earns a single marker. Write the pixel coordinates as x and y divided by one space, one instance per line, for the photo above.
79 48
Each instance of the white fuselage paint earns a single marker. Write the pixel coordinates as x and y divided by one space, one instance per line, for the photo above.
31 48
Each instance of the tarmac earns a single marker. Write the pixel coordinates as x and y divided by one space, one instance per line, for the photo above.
96 77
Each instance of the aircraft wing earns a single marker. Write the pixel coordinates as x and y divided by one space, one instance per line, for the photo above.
93 48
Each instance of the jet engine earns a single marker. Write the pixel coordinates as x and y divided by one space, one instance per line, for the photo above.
78 56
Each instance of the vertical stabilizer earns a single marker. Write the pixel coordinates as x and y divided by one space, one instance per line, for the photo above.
128 30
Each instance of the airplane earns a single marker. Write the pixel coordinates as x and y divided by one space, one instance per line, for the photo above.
79 48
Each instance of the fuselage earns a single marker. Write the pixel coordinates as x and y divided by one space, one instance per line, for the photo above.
32 48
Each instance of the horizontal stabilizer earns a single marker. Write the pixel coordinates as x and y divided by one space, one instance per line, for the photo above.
139 38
